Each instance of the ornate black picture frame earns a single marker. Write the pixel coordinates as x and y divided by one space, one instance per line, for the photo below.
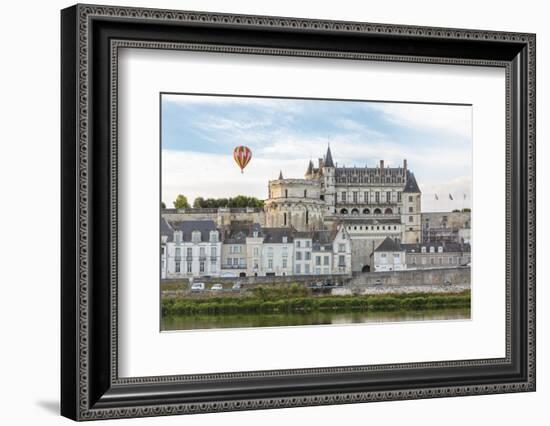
91 36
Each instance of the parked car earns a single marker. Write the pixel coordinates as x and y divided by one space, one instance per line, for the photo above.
236 287
216 287
197 287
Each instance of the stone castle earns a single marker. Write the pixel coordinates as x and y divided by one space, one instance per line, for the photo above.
369 197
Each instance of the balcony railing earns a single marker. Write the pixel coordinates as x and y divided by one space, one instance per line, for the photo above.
190 258
233 266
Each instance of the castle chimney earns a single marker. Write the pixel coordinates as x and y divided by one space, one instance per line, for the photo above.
381 167
405 166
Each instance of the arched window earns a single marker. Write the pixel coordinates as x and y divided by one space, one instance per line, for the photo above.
377 211
344 211
355 212
388 211
366 211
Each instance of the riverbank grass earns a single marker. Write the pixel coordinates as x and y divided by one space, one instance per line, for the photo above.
296 300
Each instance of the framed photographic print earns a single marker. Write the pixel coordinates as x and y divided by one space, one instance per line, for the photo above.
263 212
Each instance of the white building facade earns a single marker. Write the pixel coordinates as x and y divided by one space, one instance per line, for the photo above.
389 256
192 250
197 248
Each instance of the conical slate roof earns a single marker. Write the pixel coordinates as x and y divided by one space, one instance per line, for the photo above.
411 185
309 168
328 159
280 175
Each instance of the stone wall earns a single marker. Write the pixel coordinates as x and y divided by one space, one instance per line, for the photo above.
422 277
222 216
252 281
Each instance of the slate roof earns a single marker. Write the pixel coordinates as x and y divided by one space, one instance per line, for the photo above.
309 168
165 229
239 230
350 171
388 245
275 235
188 226
447 247
411 186
328 159
322 238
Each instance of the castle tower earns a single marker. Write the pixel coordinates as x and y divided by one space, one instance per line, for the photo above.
329 182
411 211
309 171
294 203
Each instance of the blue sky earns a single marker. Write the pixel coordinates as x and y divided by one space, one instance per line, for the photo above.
200 132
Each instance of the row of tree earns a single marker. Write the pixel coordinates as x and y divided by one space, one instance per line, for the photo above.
181 202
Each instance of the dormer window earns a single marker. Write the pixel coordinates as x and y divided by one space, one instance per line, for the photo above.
213 236
285 239
196 236
255 234
432 249
440 249
177 237
423 249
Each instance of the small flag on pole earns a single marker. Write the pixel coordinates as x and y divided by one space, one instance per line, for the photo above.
450 197
436 197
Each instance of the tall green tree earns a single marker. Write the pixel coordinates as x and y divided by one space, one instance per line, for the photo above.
162 205
181 202
244 201
198 202
238 201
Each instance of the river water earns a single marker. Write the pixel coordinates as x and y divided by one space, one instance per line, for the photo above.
172 323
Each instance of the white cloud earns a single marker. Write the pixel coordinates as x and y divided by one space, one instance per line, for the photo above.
460 189
450 119
211 175
265 104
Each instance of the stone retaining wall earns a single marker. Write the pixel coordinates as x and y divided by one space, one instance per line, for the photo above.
400 289
420 277
252 281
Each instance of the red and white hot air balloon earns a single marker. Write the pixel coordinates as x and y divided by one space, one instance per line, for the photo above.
242 156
